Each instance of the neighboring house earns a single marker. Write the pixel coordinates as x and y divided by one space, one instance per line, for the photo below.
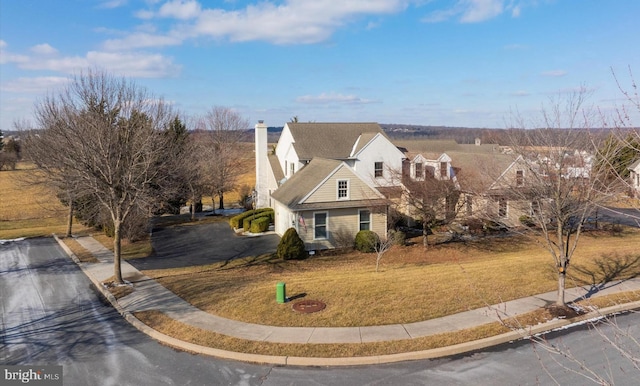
634 177
484 174
324 179
503 205
438 167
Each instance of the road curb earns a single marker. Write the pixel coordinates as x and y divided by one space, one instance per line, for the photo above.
440 352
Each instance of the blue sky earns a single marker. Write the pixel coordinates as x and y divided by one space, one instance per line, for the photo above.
429 62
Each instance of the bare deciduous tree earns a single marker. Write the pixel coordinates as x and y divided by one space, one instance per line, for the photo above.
557 186
102 137
381 247
432 200
227 130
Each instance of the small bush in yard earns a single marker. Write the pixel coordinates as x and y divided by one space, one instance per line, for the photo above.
397 237
259 225
366 241
291 246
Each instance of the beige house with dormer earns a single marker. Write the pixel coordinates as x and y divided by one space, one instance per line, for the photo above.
325 179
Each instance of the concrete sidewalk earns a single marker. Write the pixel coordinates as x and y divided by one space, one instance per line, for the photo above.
149 295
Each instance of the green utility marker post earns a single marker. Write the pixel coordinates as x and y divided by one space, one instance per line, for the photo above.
281 292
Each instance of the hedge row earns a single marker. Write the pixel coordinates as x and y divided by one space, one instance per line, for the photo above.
247 221
235 221
260 224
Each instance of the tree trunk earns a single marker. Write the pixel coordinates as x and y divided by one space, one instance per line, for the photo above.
561 277
70 219
221 195
425 234
193 208
117 253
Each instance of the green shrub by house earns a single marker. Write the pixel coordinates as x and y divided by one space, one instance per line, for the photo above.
527 221
236 221
366 241
291 246
246 222
397 237
260 224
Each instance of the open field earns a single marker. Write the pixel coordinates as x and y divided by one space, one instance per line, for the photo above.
412 285
27 210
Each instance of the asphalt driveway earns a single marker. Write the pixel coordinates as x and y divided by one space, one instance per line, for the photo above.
622 216
182 246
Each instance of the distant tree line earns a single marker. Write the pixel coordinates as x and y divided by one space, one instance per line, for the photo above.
10 151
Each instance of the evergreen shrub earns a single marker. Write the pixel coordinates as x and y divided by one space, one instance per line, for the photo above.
366 241
291 246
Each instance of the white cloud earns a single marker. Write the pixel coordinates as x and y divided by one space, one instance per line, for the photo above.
554 73
481 10
112 4
8 57
43 49
286 22
38 85
180 9
330 98
136 64
144 14
141 40
520 93
475 11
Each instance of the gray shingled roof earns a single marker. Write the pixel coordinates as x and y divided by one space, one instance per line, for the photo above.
306 179
275 167
477 170
330 140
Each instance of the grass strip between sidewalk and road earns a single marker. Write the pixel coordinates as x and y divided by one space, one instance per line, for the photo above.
162 323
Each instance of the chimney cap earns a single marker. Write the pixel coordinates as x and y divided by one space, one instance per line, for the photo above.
261 121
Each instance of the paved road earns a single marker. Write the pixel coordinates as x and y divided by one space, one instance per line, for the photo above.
182 246
49 316
623 216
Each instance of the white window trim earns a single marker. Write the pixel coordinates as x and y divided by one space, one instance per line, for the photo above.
338 189
370 219
421 168
446 171
326 226
381 169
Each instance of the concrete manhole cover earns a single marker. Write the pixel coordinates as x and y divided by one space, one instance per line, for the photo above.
308 306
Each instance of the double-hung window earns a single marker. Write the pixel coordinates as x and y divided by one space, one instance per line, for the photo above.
365 220
378 169
443 169
519 177
419 171
320 225
343 189
502 207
